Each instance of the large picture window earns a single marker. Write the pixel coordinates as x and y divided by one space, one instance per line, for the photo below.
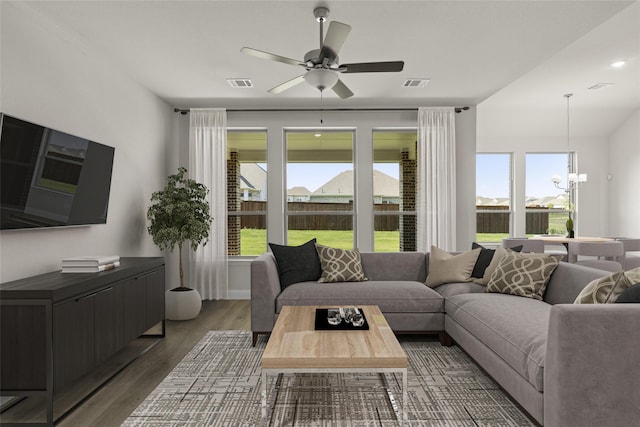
493 197
320 187
547 206
394 190
246 192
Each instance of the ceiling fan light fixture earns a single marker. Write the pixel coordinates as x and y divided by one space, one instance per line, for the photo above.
321 78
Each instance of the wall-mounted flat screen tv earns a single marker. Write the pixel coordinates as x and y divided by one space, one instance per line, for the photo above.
50 178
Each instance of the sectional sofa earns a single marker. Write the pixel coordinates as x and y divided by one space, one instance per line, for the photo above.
565 364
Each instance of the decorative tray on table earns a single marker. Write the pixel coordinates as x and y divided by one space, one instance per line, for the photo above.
341 319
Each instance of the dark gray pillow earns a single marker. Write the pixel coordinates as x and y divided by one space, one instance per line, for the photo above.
484 259
297 263
631 294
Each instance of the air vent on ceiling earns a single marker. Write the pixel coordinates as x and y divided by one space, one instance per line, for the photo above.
415 83
600 86
240 83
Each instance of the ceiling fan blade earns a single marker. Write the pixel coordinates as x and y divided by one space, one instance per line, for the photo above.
266 55
373 67
342 90
287 85
333 41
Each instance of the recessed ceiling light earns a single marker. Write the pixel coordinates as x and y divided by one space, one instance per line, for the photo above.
618 64
317 135
240 83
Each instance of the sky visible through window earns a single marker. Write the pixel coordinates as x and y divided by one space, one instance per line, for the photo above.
492 171
540 169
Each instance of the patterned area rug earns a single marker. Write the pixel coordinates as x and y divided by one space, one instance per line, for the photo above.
218 384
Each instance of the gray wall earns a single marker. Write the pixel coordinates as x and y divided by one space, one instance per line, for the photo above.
50 77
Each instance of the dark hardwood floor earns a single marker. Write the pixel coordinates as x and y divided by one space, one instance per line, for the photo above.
114 401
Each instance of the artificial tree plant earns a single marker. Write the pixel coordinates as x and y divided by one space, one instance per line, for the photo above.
178 213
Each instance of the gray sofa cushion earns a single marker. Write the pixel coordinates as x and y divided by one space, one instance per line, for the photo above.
450 289
390 296
568 280
515 328
396 266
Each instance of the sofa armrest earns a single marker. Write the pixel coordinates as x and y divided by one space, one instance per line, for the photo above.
265 288
591 372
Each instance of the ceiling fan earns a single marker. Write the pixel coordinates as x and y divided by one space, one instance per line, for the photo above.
322 64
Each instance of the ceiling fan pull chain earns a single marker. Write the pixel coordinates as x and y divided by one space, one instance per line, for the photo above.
321 107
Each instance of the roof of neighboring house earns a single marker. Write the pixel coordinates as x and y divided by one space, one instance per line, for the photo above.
298 191
489 201
342 185
252 176
559 200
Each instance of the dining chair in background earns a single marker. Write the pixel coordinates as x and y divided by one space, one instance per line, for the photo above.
603 255
528 245
631 252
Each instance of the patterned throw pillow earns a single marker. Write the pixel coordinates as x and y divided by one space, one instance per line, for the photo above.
445 267
340 265
524 275
488 258
607 289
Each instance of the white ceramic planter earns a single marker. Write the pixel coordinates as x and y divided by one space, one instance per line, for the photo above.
182 305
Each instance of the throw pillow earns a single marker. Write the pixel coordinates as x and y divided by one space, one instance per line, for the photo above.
484 259
445 267
607 289
297 263
500 252
340 265
524 275
630 295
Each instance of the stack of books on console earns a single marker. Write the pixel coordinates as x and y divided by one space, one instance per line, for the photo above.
90 263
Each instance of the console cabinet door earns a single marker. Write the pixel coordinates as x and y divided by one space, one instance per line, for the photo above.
154 283
135 310
73 339
108 319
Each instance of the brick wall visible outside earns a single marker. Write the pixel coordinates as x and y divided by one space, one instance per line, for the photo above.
233 203
408 184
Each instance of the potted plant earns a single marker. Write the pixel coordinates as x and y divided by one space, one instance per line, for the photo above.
178 213
570 232
569 223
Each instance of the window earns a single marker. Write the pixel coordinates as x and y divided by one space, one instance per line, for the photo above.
320 188
246 192
493 197
547 206
394 191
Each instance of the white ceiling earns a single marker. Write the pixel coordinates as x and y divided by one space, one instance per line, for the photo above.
515 55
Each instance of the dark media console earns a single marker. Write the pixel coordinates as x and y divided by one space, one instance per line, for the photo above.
56 327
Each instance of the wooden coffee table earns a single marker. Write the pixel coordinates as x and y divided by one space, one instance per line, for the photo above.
296 347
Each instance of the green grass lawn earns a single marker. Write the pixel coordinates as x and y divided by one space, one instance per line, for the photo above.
254 241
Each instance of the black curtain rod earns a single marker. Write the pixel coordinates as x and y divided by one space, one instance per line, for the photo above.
269 110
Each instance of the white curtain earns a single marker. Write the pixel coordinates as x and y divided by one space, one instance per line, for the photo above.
436 210
208 272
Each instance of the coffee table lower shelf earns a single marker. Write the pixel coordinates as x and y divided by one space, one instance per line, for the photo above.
401 413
